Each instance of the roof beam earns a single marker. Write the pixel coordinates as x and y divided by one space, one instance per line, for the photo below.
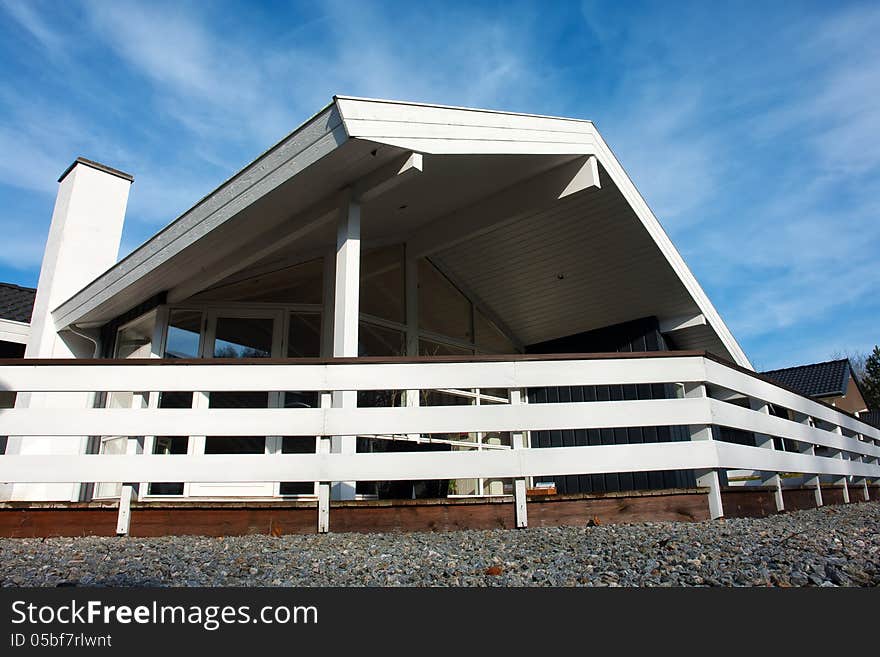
682 322
506 206
387 177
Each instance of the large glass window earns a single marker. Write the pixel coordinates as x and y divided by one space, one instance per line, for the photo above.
381 283
243 337
304 335
184 330
489 337
443 309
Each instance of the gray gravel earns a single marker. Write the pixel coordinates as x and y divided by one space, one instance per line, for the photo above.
833 546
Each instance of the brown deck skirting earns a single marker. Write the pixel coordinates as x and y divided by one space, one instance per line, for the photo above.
749 502
45 519
21 520
756 502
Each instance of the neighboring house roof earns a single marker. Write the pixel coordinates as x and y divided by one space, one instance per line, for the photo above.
828 379
871 417
474 159
16 302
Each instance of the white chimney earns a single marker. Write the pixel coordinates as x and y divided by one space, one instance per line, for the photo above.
83 243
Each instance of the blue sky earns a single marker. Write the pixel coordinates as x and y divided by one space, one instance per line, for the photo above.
752 129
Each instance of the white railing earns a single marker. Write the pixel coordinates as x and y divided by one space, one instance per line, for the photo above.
830 443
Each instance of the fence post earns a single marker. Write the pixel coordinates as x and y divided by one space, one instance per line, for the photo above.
123 519
765 441
809 450
863 458
706 478
517 439
838 454
324 486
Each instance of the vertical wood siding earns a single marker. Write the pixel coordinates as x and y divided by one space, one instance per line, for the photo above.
638 335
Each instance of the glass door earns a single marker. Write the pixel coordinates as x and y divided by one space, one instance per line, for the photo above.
240 334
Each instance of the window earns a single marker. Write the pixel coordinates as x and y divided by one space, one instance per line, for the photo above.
381 283
489 337
243 337
304 335
184 331
443 309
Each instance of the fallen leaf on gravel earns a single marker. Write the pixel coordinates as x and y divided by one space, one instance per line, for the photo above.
494 570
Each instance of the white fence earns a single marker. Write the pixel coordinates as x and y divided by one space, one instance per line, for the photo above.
712 394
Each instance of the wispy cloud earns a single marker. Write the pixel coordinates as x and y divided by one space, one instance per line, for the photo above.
24 14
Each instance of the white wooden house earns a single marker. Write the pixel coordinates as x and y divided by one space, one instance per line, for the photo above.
377 307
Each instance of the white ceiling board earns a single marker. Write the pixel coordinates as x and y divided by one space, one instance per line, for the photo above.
611 269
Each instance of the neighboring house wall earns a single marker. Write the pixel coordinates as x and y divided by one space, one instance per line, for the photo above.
852 401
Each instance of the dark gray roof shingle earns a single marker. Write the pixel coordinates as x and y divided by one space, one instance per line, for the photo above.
16 303
815 380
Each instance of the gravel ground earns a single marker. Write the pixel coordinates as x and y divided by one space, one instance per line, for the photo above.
832 546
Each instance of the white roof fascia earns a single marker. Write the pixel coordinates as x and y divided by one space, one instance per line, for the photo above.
317 137
12 331
441 130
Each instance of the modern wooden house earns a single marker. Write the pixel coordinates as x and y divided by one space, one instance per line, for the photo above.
398 301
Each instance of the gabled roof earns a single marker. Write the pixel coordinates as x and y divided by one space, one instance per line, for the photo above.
828 379
288 198
16 302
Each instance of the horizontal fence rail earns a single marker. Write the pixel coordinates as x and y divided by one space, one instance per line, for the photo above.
712 394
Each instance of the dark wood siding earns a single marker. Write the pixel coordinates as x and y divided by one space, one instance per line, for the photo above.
635 336
108 331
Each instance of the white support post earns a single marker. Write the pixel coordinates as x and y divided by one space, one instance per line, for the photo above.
810 450
706 478
346 311
411 280
866 495
841 481
517 439
763 440
123 519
